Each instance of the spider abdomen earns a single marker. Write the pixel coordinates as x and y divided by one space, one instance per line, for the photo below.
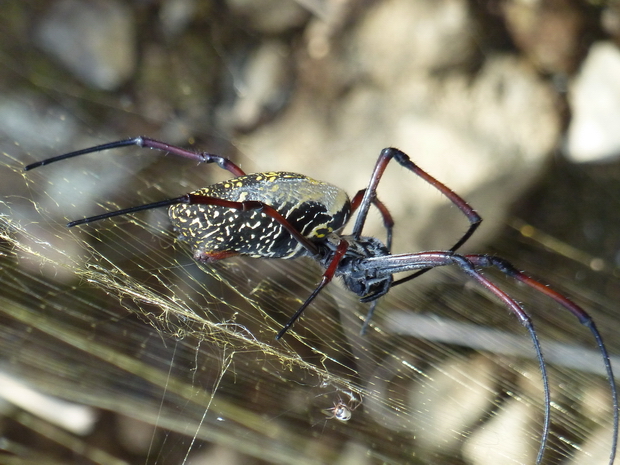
313 207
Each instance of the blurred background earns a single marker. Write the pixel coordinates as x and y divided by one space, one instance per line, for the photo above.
115 347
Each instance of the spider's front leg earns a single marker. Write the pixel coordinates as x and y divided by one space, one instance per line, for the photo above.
146 142
330 271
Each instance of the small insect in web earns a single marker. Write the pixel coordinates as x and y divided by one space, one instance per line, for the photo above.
288 215
342 411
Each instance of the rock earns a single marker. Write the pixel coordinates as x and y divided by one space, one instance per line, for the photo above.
399 38
486 138
93 40
269 16
175 15
35 124
262 89
593 134
550 32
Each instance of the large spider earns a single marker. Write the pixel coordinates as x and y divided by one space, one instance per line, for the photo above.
288 215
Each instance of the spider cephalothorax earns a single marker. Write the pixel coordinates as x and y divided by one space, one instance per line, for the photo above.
363 282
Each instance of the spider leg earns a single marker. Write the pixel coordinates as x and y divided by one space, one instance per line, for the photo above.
388 221
583 317
403 159
369 315
468 266
202 157
425 260
193 199
369 195
327 277
406 262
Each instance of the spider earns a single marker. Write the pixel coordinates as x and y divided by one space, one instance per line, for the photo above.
289 215
341 411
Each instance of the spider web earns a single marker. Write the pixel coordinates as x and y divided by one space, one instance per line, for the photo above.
117 319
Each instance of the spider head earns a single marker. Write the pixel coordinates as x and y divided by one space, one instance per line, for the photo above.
369 284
